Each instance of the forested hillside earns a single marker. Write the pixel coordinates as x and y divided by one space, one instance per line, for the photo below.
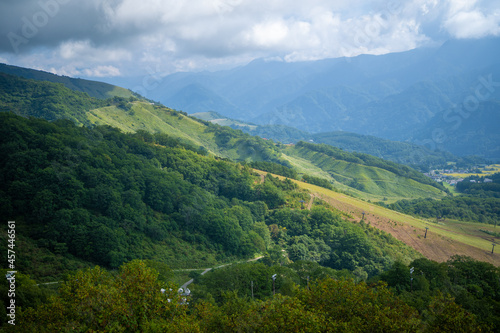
106 197
95 89
46 100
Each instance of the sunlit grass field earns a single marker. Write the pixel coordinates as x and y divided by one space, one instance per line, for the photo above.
464 232
489 170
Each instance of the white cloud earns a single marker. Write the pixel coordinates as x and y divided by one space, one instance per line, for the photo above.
473 24
268 34
472 18
92 37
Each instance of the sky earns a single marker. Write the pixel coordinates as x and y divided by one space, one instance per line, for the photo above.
126 38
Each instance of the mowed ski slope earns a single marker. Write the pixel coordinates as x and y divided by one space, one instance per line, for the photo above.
444 239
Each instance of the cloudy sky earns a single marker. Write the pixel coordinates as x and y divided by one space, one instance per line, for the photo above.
110 38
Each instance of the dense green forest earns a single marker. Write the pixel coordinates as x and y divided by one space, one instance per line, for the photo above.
44 99
461 295
478 202
107 197
50 101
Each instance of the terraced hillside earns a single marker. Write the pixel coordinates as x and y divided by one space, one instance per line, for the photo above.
374 181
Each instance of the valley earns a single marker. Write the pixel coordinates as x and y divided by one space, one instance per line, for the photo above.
229 166
135 187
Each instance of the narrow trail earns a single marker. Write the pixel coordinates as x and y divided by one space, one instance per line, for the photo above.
206 270
309 205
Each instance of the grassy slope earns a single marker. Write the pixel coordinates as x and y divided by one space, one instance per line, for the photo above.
376 183
444 239
153 118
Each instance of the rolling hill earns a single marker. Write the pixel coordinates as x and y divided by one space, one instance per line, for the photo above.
364 173
133 115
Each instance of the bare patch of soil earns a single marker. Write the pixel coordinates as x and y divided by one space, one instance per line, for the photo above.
435 247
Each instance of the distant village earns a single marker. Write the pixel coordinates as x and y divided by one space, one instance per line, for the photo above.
449 176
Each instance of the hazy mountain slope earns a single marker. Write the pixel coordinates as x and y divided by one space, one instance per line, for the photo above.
462 132
391 96
406 153
93 88
198 98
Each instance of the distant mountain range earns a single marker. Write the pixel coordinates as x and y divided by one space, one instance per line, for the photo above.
417 156
407 96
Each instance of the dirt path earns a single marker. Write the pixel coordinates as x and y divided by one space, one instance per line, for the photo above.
309 205
206 270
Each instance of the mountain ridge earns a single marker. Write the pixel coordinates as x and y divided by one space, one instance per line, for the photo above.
392 96
95 89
